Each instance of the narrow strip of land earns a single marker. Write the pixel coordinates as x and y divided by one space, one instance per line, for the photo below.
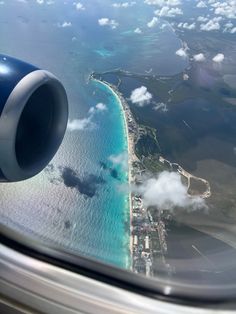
147 229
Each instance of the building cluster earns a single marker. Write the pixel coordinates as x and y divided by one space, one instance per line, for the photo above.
144 230
140 229
148 235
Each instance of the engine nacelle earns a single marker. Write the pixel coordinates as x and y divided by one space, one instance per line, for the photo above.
33 118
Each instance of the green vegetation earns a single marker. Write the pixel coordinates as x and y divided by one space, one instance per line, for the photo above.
173 90
148 150
153 164
147 143
203 81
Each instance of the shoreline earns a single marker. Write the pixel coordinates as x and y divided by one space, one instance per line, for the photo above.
127 118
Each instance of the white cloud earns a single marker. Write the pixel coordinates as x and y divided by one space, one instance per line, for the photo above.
153 22
199 57
167 192
79 6
168 12
218 58
202 19
228 25
201 4
227 13
101 107
217 18
187 26
229 28
86 123
161 3
64 24
123 4
226 8
107 22
121 160
80 124
140 96
138 30
211 25
163 26
185 77
104 21
233 30
98 108
181 53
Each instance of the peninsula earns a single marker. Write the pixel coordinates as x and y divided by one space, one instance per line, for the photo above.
147 226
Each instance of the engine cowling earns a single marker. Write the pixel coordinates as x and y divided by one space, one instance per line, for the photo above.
33 118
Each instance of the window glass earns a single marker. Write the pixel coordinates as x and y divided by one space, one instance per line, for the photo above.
145 177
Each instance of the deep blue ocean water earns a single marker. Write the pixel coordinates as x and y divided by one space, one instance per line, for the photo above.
97 226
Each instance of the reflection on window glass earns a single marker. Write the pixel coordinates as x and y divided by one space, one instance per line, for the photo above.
145 177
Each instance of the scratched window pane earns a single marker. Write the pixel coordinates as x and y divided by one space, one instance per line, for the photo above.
145 177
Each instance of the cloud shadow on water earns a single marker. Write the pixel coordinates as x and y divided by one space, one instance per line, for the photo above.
112 171
87 185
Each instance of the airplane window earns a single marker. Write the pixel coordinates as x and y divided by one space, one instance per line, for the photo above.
145 177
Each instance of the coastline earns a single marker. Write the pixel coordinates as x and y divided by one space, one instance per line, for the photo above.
142 244
128 119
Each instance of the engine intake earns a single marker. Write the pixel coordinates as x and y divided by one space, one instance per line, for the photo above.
33 118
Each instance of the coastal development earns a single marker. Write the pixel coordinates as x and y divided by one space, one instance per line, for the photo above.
148 231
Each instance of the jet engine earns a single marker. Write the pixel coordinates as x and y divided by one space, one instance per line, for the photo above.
33 118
